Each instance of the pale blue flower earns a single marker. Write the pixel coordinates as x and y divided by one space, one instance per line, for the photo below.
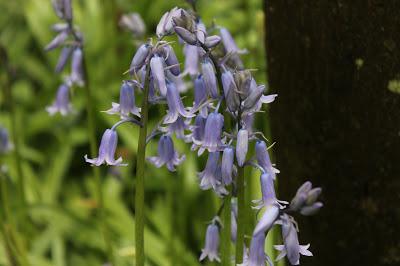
211 243
107 149
166 154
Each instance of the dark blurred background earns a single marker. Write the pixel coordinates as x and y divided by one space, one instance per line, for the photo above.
336 68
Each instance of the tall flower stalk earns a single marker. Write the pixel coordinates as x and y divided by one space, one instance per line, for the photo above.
226 100
71 41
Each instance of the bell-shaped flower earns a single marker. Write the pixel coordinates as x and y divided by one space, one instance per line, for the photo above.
264 160
227 165
257 255
200 95
175 105
63 58
77 75
57 41
230 91
291 247
210 249
178 128
61 103
191 60
305 199
165 26
201 32
229 42
5 144
268 219
211 177
256 98
212 134
171 60
107 148
242 146
210 80
267 191
212 41
198 130
166 154
185 27
139 59
134 23
126 104
157 70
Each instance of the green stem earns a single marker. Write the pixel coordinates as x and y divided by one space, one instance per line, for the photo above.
10 103
17 254
91 127
241 215
226 231
140 167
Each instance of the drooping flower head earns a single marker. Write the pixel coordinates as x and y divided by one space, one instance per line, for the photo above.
291 247
175 105
61 103
211 176
212 134
210 249
127 103
166 154
227 165
264 160
107 148
257 255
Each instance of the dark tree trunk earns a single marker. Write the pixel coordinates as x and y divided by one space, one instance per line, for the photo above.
337 124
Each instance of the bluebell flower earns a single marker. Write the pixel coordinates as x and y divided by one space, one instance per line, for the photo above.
175 105
242 146
299 200
57 41
165 26
171 60
305 199
166 154
257 255
200 95
256 98
134 23
139 59
210 80
185 27
311 209
63 58
201 32
5 144
191 60
126 104
230 91
212 133
198 130
291 247
212 41
178 128
229 42
267 191
77 76
61 103
211 177
264 160
211 243
107 148
157 71
268 219
227 165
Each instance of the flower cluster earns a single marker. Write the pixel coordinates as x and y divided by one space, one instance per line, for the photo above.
70 40
219 124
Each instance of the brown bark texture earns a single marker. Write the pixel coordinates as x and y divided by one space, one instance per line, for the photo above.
337 124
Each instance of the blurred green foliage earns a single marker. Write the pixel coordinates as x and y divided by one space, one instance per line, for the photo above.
62 228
